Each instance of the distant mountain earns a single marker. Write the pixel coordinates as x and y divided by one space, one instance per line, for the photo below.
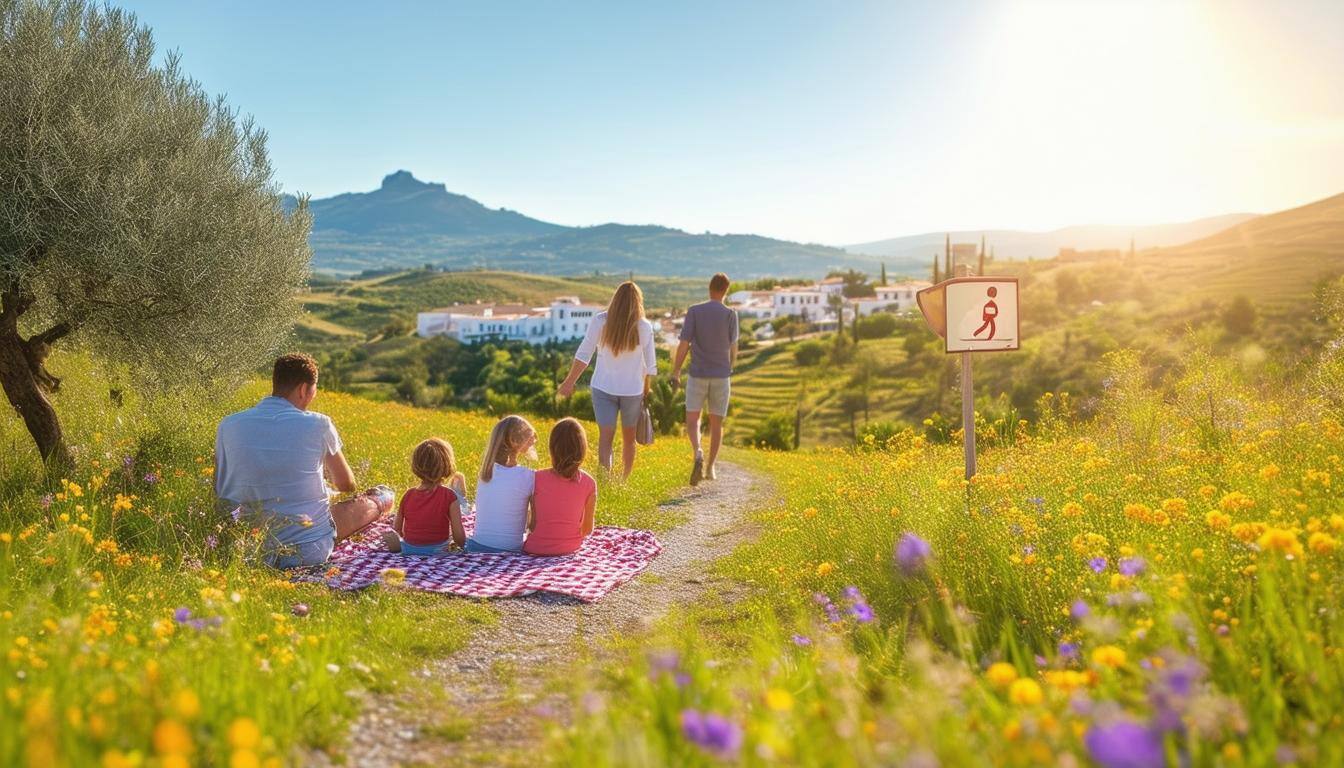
407 222
405 206
1017 244
1276 259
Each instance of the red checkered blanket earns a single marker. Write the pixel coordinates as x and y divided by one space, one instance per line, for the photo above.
609 557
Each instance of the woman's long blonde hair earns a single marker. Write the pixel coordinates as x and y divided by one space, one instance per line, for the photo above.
507 440
621 333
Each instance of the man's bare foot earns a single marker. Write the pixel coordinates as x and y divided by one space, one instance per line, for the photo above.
710 474
698 470
391 541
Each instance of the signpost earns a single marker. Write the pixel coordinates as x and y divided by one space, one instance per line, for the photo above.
972 314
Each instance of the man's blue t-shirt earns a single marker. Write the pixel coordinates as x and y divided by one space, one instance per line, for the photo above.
711 328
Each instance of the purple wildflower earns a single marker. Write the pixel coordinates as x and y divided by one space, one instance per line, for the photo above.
211 541
1132 566
181 615
664 661
1097 564
1125 744
713 733
1029 549
237 514
801 640
852 592
127 461
912 554
1036 501
204 624
151 477
1068 650
862 612
45 501
1080 610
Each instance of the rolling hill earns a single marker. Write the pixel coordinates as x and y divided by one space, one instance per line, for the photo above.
1277 259
1018 244
408 223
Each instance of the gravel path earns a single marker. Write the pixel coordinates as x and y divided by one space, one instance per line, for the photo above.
481 700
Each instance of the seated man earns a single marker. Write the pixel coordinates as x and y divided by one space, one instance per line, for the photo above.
269 461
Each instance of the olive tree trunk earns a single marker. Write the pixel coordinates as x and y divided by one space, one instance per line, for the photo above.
26 386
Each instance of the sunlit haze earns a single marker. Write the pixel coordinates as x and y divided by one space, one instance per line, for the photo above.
835 123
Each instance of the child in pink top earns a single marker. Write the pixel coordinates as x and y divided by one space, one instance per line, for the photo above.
565 499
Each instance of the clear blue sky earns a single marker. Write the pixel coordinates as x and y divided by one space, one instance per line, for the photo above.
828 122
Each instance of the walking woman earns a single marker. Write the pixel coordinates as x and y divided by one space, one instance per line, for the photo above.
626 365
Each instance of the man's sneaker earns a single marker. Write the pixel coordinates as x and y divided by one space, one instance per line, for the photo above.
698 471
710 474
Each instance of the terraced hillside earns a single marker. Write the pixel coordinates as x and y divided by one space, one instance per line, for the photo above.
770 380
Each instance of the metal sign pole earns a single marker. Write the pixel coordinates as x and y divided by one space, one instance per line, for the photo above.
968 413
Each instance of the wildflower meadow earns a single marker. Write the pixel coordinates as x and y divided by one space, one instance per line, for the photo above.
138 629
1160 586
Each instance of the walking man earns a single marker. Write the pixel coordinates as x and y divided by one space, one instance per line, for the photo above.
710 335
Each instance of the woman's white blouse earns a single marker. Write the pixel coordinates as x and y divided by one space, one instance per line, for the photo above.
622 374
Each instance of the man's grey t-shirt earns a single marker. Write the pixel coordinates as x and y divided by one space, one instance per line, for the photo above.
270 456
711 328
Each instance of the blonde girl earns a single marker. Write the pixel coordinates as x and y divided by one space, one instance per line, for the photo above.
429 517
505 488
626 365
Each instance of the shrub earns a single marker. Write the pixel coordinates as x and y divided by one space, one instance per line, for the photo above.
809 353
776 432
877 326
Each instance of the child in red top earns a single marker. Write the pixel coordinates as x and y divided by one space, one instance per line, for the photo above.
565 497
429 518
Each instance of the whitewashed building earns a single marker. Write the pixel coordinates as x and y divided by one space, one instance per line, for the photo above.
807 302
898 297
566 319
756 305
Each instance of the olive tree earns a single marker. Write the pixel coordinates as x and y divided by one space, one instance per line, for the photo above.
138 216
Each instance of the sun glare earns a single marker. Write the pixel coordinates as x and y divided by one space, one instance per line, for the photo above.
1103 103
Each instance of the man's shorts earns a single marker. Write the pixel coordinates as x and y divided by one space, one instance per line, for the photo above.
298 555
607 406
707 394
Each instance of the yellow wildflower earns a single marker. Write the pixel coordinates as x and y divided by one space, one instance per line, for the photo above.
1109 656
244 734
1001 674
779 700
1281 539
1025 692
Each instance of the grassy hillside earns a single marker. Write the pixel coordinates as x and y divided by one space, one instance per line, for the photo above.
138 628
1275 260
769 380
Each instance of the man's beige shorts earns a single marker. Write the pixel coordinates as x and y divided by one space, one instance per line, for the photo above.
707 394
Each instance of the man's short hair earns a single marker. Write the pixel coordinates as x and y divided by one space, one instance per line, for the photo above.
718 283
292 370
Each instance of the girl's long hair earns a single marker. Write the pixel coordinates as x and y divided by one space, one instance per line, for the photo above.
568 447
506 441
621 333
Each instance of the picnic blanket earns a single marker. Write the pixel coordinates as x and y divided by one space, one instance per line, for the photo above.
609 557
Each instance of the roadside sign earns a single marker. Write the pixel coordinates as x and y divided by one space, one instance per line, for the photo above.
972 314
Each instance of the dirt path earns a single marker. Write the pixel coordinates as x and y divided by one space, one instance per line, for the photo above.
492 686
